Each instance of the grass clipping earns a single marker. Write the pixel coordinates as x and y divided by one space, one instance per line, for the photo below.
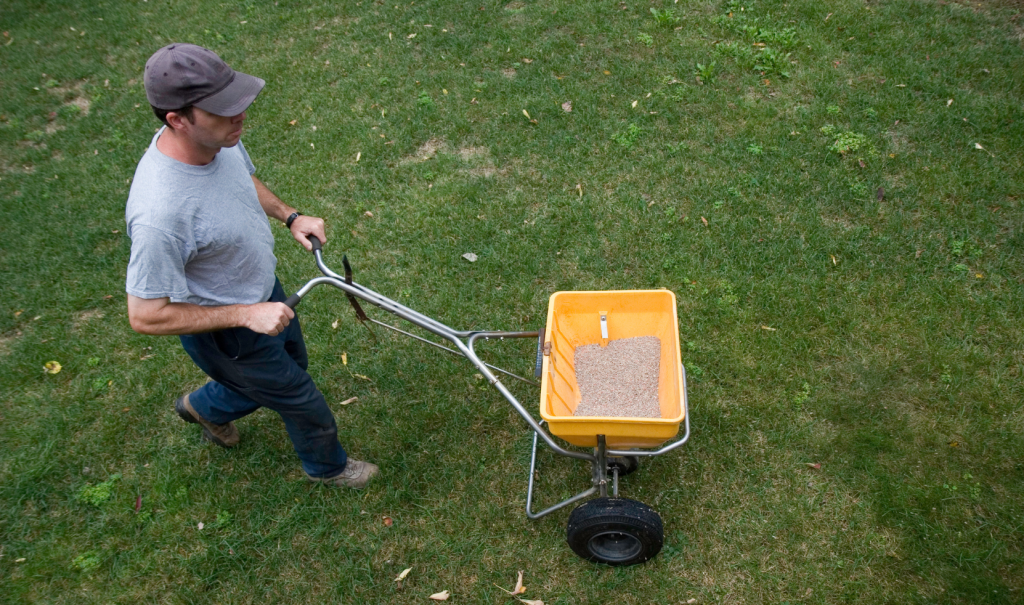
619 380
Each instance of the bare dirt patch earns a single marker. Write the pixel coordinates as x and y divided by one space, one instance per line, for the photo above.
426 151
86 316
508 72
81 103
469 153
6 340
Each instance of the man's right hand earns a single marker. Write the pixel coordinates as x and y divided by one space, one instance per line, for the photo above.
269 318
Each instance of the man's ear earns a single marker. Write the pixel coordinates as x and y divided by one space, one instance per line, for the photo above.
176 121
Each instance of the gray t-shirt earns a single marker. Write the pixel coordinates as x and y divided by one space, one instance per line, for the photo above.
199 234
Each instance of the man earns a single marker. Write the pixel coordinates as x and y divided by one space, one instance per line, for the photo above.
202 263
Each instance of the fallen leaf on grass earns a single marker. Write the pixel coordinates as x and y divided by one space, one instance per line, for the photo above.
634 103
519 589
350 399
359 155
402 575
363 377
954 444
344 356
527 61
815 465
335 324
529 602
704 220
20 560
292 123
201 526
387 520
770 329
690 601
411 36
439 596
567 106
52 367
470 257
949 102
834 261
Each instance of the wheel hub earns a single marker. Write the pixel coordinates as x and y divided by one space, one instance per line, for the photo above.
614 546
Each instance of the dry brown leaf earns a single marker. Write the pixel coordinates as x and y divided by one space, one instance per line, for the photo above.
293 122
52 367
530 602
439 596
770 329
704 220
368 214
349 400
519 589
344 356
815 465
363 377
387 520
402 575
527 61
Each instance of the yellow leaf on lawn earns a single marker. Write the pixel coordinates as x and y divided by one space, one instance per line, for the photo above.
52 367
402 575
634 103
344 356
363 377
335 326
525 113
292 123
439 596
607 73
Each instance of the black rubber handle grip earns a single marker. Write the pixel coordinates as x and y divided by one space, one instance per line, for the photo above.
293 301
315 241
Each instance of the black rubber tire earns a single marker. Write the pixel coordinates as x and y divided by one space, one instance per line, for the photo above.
615 531
625 464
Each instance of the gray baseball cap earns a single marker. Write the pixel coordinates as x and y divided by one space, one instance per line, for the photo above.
179 75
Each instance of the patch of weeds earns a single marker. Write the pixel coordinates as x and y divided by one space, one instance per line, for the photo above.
665 18
101 384
718 204
628 137
960 269
803 395
755 149
728 299
99 493
674 148
51 83
960 248
947 375
771 61
86 562
69 111
695 372
36 136
832 110
645 39
384 81
93 362
706 72
734 192
858 188
674 545
223 520
847 141
424 100
871 113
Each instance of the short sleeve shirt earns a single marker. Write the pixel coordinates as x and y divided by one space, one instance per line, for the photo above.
199 234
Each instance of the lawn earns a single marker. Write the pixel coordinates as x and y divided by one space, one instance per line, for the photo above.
833 190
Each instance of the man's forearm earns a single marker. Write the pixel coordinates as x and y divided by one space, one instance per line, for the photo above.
185 318
271 204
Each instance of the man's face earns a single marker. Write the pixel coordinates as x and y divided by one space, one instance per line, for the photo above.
213 131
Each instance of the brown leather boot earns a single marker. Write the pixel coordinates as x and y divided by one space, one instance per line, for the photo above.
224 435
356 475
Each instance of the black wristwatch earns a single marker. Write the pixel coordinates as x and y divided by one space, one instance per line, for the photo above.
291 219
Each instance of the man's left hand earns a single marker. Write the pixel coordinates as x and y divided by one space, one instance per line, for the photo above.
304 226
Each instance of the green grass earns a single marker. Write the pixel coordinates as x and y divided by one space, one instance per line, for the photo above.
854 299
